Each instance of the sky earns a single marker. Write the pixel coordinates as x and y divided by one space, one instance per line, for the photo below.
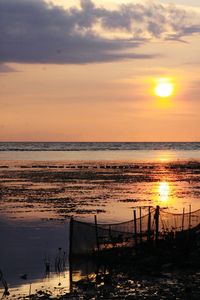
86 70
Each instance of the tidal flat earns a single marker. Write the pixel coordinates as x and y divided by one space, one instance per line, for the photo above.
48 191
38 198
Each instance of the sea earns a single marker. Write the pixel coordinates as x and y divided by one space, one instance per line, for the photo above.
116 151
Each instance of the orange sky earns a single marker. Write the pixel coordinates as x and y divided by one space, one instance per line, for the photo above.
109 100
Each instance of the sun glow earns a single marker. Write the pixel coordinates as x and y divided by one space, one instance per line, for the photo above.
164 191
164 88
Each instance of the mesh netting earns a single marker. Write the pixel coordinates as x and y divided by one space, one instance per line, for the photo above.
143 224
90 237
178 222
87 238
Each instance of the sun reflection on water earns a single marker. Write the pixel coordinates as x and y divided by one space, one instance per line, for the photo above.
164 191
164 194
165 156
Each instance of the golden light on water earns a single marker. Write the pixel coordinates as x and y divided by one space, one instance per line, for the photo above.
57 284
164 156
164 191
164 87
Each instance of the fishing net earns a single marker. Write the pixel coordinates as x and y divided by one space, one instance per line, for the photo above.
178 222
87 238
90 237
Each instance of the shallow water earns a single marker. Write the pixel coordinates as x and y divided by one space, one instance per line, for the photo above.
96 151
25 249
58 190
159 155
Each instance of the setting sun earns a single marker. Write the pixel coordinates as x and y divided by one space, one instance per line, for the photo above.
164 88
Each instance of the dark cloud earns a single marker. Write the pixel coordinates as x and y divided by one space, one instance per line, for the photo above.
36 32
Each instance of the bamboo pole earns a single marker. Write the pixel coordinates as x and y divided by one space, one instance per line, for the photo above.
149 226
190 216
96 231
189 227
70 254
135 230
157 222
110 235
71 236
140 225
183 219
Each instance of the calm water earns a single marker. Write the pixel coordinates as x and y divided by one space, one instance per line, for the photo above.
24 250
97 146
50 151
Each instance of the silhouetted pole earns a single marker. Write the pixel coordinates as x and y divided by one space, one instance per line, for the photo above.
96 231
190 216
110 235
70 254
157 221
140 225
135 230
189 228
190 220
149 225
71 236
183 219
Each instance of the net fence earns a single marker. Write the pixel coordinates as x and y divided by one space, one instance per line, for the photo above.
87 238
178 222
90 237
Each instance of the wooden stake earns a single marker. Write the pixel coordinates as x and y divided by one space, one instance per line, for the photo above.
157 221
149 225
71 237
190 216
135 230
96 231
110 235
140 225
183 219
71 254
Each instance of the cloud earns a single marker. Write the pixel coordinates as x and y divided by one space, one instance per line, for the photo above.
152 20
36 32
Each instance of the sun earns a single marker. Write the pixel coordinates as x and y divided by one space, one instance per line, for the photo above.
164 88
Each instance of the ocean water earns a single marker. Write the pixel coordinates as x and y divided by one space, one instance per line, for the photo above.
98 146
117 151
